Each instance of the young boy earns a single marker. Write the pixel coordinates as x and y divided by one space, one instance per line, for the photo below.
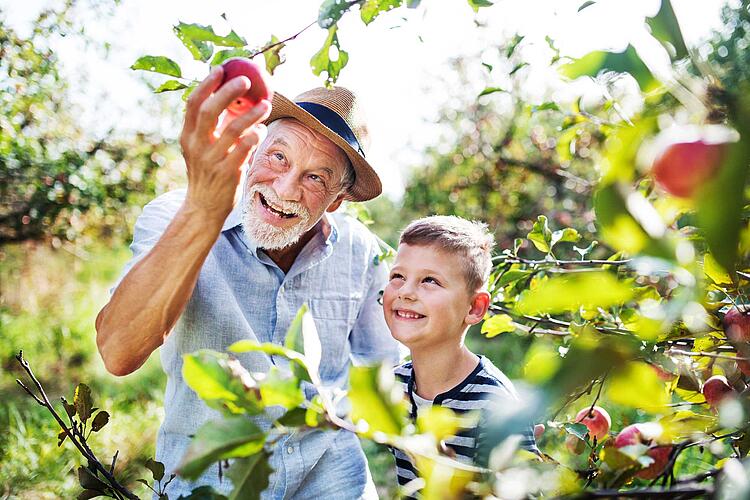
437 290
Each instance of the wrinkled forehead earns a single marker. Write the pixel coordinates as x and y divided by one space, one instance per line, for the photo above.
303 140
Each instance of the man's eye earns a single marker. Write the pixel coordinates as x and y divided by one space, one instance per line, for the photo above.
316 178
279 156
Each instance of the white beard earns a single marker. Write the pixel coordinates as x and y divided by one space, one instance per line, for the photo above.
268 236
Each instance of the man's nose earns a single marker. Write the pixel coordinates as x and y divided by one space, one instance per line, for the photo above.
287 186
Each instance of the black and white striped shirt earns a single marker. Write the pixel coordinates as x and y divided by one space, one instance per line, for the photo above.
475 393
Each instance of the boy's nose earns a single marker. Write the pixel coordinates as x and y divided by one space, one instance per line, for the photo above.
406 292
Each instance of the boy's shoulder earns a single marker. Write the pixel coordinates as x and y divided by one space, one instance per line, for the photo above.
492 380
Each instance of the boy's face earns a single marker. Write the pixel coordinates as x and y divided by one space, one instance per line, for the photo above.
427 302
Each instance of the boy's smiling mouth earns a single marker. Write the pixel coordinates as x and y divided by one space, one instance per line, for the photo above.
406 314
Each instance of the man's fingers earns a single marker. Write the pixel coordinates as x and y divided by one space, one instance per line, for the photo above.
211 108
246 144
199 95
235 129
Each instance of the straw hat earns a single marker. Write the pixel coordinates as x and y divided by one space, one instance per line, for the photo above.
335 114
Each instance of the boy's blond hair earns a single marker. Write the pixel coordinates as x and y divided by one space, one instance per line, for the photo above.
467 239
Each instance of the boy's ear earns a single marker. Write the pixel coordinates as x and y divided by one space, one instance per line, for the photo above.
480 303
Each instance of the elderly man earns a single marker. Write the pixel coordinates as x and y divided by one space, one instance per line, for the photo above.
208 271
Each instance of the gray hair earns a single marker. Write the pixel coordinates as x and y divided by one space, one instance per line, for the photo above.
467 239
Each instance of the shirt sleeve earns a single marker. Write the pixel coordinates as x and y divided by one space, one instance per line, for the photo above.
150 226
370 340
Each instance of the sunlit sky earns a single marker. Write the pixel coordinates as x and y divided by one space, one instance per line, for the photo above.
397 64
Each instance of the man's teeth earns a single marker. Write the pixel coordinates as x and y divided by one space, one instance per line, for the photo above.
409 315
276 210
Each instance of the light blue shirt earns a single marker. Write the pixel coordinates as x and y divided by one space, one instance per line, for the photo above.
242 294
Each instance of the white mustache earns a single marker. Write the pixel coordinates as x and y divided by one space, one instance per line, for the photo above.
274 200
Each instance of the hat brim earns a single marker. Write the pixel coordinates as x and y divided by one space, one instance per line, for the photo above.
367 184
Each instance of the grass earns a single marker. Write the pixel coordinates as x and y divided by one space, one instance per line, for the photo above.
48 303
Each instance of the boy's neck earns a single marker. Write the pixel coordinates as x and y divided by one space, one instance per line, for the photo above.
441 369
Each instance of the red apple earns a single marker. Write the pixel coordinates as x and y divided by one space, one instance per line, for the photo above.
716 389
646 434
660 454
737 325
688 156
596 420
575 445
260 87
744 367
663 374
538 431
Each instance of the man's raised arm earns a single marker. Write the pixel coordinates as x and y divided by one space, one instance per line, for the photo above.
152 295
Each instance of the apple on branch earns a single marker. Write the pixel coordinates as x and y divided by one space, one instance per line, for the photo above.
646 434
596 420
716 389
686 157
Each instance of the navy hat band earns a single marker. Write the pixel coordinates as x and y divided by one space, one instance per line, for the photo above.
334 122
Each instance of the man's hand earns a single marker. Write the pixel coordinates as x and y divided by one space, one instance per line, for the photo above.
214 161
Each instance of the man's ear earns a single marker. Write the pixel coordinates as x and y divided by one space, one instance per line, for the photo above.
480 303
336 203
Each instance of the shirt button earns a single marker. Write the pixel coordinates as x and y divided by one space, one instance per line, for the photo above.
290 450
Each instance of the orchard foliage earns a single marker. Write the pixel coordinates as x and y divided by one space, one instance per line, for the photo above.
631 300
58 181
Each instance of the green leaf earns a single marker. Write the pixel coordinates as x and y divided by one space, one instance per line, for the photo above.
293 418
638 386
578 430
89 480
250 476
61 437
569 292
513 275
200 50
321 61
158 64
568 234
82 402
477 4
721 223
331 11
546 106
100 420
497 324
714 271
370 9
513 45
273 55
490 90
665 27
221 382
295 341
584 5
278 389
189 90
541 363
201 33
377 399
223 55
540 235
156 468
230 437
627 61
202 493
169 86
69 408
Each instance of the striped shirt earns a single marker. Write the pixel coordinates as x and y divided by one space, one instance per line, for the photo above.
475 393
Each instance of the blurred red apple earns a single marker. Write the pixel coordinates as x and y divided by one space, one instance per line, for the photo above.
538 431
737 325
689 156
660 454
646 434
596 420
716 389
744 367
260 87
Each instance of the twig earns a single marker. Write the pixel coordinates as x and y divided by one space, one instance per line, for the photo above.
678 492
557 322
704 354
72 433
531 262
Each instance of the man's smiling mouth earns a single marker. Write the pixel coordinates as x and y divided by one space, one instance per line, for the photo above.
276 211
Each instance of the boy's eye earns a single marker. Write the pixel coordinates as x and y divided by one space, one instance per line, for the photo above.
396 276
430 279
